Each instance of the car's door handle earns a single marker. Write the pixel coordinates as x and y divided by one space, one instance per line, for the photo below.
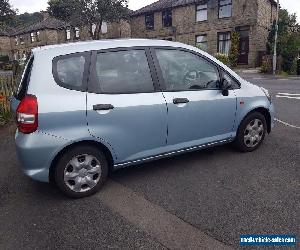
98 107
180 100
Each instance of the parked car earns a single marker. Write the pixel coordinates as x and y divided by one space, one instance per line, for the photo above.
86 108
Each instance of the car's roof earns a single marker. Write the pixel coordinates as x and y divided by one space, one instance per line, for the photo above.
66 48
51 51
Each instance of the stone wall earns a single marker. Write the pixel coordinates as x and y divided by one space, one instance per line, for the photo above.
56 36
266 16
252 13
5 46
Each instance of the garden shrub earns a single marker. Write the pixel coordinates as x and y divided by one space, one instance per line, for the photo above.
234 49
223 58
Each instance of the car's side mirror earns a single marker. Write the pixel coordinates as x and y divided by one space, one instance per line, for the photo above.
225 86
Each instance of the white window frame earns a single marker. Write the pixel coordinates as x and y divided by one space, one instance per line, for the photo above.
68 34
104 28
201 8
38 36
223 47
22 41
199 43
33 37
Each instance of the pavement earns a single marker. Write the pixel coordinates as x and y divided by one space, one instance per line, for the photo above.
199 200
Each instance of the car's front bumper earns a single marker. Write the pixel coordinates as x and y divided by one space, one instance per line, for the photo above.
36 152
272 114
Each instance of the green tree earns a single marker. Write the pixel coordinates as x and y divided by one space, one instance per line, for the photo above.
7 13
288 44
89 12
234 49
25 19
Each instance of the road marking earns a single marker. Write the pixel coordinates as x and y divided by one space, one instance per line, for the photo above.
287 124
288 97
288 94
166 228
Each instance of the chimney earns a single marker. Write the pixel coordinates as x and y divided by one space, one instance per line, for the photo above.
45 15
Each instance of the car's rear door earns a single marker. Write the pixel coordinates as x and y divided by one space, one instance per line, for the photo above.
198 112
124 107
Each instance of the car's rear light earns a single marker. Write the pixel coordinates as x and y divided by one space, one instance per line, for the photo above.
27 114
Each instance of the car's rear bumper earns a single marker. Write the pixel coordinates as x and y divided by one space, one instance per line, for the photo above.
36 152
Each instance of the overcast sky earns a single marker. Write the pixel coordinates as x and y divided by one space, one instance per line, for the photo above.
37 5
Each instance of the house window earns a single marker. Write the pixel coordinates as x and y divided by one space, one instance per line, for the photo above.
68 34
22 40
104 28
16 40
201 42
224 42
77 32
225 8
201 13
167 18
149 21
38 36
33 37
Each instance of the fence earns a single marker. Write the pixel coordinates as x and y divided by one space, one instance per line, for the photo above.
8 86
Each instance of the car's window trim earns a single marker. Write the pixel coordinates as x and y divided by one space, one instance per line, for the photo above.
83 87
223 71
161 79
24 83
93 81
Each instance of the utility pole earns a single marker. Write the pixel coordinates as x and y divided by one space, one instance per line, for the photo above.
275 42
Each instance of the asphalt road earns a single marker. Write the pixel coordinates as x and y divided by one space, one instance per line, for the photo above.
198 200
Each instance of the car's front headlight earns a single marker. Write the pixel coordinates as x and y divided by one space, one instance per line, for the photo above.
267 93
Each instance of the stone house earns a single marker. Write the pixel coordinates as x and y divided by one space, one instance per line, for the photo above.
17 44
5 45
208 24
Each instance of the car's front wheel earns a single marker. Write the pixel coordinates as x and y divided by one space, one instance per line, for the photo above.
81 171
251 132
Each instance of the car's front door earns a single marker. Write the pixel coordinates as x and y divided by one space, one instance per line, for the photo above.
198 112
124 110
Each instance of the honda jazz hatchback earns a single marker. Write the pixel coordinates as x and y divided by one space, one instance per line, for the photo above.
86 108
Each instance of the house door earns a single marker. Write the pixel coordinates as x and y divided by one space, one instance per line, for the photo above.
244 45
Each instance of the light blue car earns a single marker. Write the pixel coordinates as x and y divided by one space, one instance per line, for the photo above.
86 108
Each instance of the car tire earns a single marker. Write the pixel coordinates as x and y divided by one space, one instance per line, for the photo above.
81 171
251 132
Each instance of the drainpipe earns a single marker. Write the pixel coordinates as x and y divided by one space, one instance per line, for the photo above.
275 42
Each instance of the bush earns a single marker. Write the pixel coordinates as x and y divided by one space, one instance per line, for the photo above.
223 58
293 69
5 115
234 49
266 67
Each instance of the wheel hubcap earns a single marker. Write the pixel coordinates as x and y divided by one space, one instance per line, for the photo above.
82 173
253 133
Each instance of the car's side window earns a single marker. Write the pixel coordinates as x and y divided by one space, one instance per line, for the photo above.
123 72
231 81
69 70
183 70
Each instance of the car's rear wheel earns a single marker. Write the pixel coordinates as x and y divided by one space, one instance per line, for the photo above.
251 132
81 171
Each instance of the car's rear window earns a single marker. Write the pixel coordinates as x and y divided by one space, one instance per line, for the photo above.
25 79
69 71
